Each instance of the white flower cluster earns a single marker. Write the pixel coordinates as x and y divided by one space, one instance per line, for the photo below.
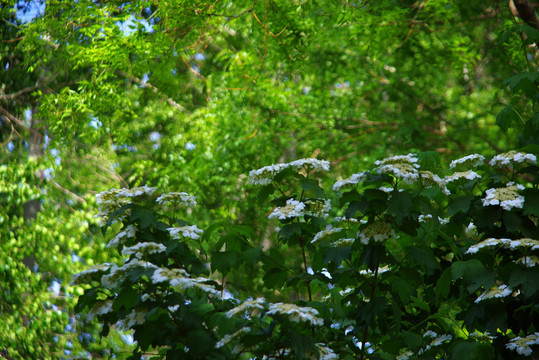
522 345
117 273
326 353
296 313
112 200
230 337
430 179
135 317
318 208
265 175
468 175
508 243
486 243
181 198
180 278
247 307
100 308
369 272
506 197
405 355
528 261
345 220
343 242
512 157
406 172
428 217
128 232
185 232
326 233
399 159
91 274
292 209
377 231
472 160
349 182
310 164
495 292
144 248
437 340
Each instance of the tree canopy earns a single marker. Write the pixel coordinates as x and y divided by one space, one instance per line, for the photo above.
189 97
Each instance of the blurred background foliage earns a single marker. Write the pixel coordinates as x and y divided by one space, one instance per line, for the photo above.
191 95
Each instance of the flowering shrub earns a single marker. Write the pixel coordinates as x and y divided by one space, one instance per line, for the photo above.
407 264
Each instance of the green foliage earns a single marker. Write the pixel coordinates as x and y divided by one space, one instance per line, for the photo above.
404 274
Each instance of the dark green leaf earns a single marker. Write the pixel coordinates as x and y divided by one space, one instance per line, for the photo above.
400 205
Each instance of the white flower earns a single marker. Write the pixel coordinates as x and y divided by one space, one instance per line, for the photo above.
265 175
506 197
528 261
91 274
486 243
230 337
377 231
325 233
349 182
318 208
437 341
165 275
495 292
369 272
472 160
181 198
343 242
144 248
522 345
511 157
405 355
344 219
247 306
185 231
179 278
399 159
524 243
310 164
471 230
403 171
430 179
293 208
100 308
468 175
117 274
128 233
296 313
135 317
326 353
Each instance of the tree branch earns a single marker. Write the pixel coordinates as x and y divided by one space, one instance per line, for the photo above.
155 90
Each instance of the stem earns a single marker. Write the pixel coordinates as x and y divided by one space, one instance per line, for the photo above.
307 282
373 288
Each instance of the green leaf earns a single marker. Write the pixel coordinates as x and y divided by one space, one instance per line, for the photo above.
472 351
508 118
531 202
461 203
126 299
225 260
251 256
400 205
146 217
443 285
429 160
524 82
425 256
527 280
403 289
